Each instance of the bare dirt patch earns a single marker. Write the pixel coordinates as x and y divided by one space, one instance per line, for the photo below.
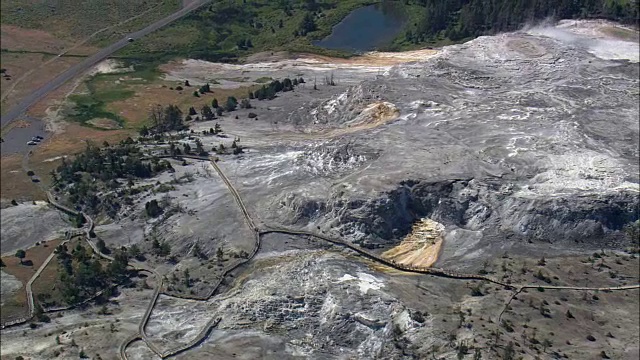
17 38
17 65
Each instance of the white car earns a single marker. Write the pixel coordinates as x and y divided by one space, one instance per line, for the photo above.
32 143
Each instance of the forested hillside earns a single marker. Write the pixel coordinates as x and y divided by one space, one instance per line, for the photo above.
460 19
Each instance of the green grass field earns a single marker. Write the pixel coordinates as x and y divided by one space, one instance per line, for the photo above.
213 32
102 90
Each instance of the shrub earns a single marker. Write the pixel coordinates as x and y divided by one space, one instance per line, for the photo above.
152 208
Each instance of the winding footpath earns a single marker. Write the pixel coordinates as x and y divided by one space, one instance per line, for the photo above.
258 233
203 334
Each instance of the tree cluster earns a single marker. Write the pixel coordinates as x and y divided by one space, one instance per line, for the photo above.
269 91
90 173
307 25
81 274
166 118
160 248
153 209
244 44
206 88
460 19
231 103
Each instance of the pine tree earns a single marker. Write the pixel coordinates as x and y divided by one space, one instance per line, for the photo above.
187 278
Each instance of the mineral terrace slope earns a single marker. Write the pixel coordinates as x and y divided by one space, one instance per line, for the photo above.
515 135
503 139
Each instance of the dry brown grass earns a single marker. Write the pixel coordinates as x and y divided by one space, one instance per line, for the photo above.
14 182
37 254
21 39
136 108
53 99
73 140
28 75
30 71
48 282
17 305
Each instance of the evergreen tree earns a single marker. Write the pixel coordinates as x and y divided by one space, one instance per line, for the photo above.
207 113
231 104
307 25
20 254
152 208
245 104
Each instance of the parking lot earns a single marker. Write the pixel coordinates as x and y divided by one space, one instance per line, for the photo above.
16 139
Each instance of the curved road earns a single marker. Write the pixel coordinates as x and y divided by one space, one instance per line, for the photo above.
85 65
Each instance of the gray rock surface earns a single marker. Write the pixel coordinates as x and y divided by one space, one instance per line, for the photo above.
517 136
23 225
9 284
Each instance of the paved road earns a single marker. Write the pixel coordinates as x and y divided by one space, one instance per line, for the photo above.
85 65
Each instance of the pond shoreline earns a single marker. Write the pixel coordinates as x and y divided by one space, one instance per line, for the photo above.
365 29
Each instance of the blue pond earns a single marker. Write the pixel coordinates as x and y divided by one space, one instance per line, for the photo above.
364 29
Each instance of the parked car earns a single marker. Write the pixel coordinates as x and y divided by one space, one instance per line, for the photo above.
35 138
40 137
32 143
